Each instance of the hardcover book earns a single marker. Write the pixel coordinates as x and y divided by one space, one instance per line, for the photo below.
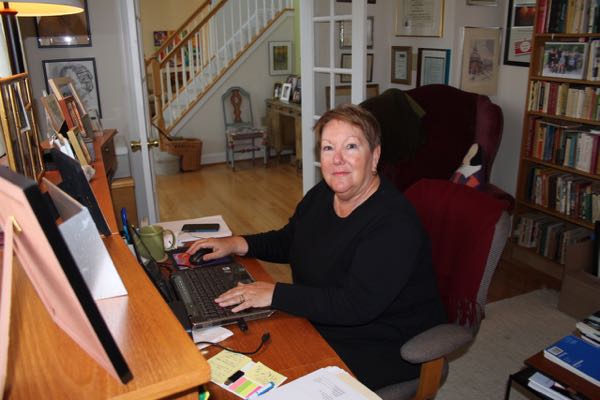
576 355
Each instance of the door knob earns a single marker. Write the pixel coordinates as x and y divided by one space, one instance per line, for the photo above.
136 145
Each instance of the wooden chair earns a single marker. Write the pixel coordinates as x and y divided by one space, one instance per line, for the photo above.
468 230
240 134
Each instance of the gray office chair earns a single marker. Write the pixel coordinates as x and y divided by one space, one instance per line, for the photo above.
240 134
468 230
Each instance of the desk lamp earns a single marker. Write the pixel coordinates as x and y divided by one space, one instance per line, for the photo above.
30 8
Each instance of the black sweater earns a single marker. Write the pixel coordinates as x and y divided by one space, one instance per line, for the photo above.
365 281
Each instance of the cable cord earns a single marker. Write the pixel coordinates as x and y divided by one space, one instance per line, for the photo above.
264 339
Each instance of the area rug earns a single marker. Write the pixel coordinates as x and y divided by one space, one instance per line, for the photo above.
513 330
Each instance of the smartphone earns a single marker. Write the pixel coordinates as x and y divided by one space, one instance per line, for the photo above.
200 227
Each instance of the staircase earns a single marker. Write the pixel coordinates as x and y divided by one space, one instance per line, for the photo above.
201 51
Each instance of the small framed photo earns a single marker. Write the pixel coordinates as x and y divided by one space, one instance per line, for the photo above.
345 33
433 66
286 91
564 59
277 90
53 112
82 72
346 62
401 64
280 58
297 96
518 43
480 60
71 30
419 18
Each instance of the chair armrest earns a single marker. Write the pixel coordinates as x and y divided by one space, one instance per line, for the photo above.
499 194
435 342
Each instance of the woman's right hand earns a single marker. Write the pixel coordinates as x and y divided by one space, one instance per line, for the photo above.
221 247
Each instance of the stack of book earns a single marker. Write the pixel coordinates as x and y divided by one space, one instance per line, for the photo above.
578 356
589 328
541 383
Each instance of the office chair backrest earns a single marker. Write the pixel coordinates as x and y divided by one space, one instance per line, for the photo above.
468 230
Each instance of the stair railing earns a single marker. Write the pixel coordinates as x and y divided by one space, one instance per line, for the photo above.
193 58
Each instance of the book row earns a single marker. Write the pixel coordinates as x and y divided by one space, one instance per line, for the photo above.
562 143
548 236
567 194
568 16
563 99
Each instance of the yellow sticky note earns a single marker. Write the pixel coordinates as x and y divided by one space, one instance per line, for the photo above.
225 363
262 374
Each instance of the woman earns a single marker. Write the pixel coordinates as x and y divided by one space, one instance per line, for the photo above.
360 260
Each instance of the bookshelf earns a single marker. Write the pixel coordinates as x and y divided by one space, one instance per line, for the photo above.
558 190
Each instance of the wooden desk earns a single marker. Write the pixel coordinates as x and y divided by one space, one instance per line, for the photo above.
44 362
295 347
277 112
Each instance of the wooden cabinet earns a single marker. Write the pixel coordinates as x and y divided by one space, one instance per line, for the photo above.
283 118
559 182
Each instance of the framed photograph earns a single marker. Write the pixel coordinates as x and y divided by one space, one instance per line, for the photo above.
482 2
19 128
433 66
280 58
346 62
401 64
345 33
64 31
518 43
286 91
78 145
343 94
53 112
419 18
480 59
277 90
564 59
82 72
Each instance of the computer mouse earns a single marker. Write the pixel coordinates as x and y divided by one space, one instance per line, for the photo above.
196 258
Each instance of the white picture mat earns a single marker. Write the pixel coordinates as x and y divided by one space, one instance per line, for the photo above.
86 246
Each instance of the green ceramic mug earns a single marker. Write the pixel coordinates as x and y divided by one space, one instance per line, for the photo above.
153 239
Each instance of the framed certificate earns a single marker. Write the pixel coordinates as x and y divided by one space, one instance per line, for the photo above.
433 66
419 18
401 64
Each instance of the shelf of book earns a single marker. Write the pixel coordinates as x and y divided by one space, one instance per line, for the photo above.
558 190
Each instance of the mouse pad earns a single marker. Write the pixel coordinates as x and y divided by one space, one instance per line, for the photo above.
180 259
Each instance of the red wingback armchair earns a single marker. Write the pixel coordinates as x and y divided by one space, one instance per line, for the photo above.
434 146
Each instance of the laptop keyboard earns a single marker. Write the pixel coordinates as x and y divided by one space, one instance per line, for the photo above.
199 287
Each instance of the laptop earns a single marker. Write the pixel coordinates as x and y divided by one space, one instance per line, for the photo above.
190 292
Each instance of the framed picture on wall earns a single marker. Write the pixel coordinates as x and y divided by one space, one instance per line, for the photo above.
82 72
280 58
433 66
401 64
64 30
346 62
345 33
480 59
519 32
419 18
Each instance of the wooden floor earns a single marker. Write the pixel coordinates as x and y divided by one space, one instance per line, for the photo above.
255 199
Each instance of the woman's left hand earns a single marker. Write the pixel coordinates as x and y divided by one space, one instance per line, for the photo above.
256 294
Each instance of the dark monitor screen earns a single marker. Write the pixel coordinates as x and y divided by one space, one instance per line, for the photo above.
77 186
45 257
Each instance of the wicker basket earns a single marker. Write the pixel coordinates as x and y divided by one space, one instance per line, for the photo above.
189 151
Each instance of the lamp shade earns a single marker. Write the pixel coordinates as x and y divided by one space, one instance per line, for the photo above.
44 8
